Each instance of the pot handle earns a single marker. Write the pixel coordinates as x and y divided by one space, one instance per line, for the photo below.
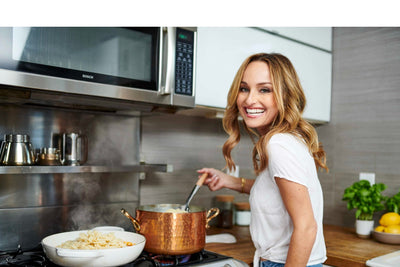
211 214
79 254
135 222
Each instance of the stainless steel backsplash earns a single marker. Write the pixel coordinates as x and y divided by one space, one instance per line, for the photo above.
33 206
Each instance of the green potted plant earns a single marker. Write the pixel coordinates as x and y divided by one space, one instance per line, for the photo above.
393 203
366 199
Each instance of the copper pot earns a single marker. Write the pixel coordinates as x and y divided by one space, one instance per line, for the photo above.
171 233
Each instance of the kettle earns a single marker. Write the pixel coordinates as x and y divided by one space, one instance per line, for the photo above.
16 150
73 148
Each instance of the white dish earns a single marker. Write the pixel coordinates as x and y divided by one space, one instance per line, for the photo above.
93 258
388 260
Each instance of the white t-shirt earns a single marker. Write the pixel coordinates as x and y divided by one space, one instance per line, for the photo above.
271 226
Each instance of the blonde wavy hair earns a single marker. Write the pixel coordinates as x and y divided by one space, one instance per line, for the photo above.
290 100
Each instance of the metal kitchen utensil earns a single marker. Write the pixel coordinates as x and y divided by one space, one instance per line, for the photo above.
196 188
16 150
49 156
73 148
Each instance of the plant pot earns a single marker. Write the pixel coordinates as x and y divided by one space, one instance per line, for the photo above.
364 228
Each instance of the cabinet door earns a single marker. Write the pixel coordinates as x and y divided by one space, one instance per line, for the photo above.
222 50
320 37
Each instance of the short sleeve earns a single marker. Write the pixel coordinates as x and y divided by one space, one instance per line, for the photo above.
284 162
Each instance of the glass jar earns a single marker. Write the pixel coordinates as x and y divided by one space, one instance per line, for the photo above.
225 204
242 213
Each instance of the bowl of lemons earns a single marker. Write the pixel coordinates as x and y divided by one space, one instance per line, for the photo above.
388 230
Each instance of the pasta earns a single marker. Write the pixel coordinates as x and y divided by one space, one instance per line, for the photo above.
95 240
178 210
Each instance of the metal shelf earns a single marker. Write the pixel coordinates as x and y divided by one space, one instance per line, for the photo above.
85 169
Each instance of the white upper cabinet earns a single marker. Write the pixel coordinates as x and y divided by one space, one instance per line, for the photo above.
320 37
221 50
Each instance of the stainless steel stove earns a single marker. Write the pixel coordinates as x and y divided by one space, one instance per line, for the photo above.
36 257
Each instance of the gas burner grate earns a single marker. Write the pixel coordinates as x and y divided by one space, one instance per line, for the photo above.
36 257
26 258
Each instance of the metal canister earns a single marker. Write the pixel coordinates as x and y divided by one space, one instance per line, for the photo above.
49 156
17 150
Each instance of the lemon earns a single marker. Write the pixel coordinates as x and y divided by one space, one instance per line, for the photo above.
390 218
380 228
393 229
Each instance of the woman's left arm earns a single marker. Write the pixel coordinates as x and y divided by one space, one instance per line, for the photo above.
298 204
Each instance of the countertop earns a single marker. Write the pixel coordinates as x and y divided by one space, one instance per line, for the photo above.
344 248
242 250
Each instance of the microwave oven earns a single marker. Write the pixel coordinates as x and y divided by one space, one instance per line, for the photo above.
146 65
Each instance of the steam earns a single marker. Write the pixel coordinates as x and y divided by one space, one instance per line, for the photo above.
85 190
118 139
87 197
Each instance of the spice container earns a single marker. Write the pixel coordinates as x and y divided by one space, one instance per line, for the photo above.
225 204
242 213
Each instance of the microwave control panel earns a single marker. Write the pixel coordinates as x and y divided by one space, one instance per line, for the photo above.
184 62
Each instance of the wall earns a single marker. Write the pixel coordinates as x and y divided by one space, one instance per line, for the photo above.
188 143
363 135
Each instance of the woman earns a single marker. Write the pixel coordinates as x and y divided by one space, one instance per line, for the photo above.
286 198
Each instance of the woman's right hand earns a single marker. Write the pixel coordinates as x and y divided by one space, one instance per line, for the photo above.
217 179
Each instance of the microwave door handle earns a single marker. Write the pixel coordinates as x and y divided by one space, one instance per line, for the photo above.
169 61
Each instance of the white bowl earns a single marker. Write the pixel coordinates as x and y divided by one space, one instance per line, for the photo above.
92 257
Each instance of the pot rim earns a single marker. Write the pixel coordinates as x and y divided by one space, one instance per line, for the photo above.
162 208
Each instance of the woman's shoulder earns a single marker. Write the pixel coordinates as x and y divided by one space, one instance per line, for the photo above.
284 144
287 140
283 138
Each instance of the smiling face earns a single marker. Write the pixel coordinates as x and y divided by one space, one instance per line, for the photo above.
255 100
